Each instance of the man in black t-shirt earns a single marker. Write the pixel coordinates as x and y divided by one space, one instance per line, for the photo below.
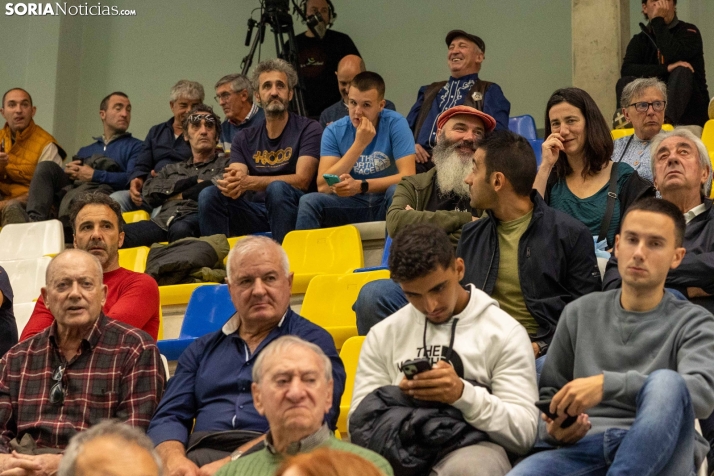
442 189
272 164
318 58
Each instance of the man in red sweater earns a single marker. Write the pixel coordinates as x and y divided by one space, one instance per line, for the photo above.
132 298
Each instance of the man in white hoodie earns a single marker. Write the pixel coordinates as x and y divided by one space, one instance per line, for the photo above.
481 358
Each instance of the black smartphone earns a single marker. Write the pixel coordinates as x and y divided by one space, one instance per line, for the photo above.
415 366
544 406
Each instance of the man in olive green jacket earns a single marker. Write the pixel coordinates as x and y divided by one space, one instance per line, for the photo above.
440 196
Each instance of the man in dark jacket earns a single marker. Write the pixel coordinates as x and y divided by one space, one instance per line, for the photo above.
552 252
440 196
671 50
176 187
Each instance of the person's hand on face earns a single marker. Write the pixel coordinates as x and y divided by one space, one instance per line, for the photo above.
551 148
365 132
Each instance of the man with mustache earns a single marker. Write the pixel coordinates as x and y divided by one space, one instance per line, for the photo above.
440 196
234 94
176 187
132 298
528 256
163 145
23 145
464 87
272 164
51 182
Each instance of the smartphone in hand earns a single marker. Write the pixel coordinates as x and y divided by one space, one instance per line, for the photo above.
544 406
415 366
331 179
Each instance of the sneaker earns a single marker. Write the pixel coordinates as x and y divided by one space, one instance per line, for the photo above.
14 212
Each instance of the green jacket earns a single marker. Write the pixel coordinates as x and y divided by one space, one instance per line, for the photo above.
415 191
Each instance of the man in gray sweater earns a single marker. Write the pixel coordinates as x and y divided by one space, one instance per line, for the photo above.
635 365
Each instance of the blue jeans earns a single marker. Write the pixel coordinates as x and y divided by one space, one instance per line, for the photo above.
123 198
661 440
322 210
376 301
219 214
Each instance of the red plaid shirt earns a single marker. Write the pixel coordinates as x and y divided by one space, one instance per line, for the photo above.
117 373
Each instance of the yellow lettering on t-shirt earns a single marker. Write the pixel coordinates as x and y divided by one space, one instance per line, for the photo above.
272 158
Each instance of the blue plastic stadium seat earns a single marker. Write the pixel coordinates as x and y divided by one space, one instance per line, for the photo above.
208 309
523 125
385 258
536 144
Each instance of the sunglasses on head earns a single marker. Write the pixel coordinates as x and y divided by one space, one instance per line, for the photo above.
196 119
58 390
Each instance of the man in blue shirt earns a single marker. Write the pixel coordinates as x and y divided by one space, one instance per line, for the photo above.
466 54
50 183
234 94
164 144
272 164
209 397
348 67
369 151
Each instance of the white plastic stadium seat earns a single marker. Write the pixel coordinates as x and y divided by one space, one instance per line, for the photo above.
31 240
22 312
27 277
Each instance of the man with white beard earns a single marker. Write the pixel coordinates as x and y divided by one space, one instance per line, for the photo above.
440 196
531 258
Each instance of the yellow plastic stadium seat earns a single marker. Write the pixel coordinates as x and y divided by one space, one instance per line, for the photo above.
160 334
619 133
134 259
231 243
335 250
329 299
133 217
177 294
350 357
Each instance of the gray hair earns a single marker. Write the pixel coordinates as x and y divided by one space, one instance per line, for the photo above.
251 244
187 89
274 64
238 83
639 86
282 344
105 428
95 260
702 152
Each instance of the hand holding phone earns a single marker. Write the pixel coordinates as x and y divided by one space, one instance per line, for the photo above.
415 366
544 406
331 179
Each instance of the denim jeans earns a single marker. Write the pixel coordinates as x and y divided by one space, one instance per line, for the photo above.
123 198
376 301
660 441
322 210
241 216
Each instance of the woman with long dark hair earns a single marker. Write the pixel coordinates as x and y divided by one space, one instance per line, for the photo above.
576 174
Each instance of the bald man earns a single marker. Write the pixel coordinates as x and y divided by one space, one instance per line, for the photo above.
348 67
86 367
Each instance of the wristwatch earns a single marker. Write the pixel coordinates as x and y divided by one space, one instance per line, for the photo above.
542 348
364 187
236 454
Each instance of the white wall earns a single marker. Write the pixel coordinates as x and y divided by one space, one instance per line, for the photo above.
69 64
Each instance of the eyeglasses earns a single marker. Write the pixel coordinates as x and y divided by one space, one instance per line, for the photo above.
657 106
209 120
58 391
226 95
